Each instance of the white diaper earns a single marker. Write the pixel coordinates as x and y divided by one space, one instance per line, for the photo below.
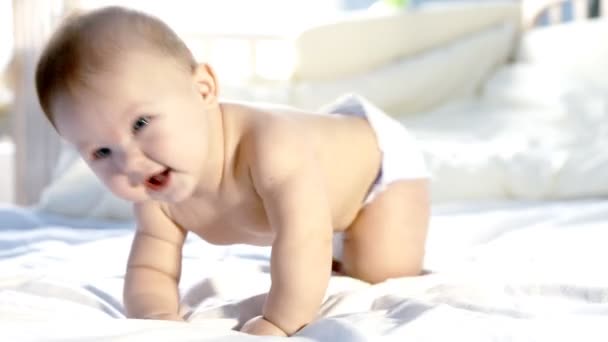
401 156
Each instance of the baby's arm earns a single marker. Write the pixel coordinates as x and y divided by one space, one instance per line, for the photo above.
289 182
154 266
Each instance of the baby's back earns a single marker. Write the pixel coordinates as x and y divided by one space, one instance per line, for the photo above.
348 156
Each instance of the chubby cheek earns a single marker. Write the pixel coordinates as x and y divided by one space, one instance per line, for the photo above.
186 152
179 146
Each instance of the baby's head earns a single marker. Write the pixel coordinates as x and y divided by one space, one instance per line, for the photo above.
93 43
127 93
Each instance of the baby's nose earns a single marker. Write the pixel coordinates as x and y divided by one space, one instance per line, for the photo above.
132 164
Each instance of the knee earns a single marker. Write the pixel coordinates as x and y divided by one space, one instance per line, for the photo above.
378 273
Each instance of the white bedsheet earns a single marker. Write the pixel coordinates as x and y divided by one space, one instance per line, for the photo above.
511 271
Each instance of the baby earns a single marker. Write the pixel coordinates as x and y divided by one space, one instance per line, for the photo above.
127 93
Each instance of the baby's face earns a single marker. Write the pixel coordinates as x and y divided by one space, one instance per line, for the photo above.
141 128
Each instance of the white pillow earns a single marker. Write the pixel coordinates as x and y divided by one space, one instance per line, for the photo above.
541 86
419 82
532 134
552 105
365 41
577 49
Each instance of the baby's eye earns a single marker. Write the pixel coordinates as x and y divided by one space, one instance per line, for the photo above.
101 153
140 123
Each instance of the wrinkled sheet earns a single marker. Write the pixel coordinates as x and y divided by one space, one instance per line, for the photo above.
516 271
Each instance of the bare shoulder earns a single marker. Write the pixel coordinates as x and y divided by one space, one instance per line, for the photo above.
277 146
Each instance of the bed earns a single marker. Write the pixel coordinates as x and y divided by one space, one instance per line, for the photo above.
516 246
518 271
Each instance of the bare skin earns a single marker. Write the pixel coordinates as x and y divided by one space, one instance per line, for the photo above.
238 173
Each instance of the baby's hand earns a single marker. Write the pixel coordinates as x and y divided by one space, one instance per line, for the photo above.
259 326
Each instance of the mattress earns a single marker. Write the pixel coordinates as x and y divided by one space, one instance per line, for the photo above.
495 271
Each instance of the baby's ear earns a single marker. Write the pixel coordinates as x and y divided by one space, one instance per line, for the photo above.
206 82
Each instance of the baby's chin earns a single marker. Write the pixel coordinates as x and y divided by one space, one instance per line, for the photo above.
138 195
174 196
133 198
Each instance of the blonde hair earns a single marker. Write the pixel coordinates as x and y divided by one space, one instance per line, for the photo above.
86 44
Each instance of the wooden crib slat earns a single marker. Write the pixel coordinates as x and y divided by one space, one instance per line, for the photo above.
36 144
534 11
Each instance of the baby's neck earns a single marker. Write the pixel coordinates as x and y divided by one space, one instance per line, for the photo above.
226 126
213 172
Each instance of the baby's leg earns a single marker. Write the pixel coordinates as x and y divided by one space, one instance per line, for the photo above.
387 238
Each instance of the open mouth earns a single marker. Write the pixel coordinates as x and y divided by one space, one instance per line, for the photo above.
159 181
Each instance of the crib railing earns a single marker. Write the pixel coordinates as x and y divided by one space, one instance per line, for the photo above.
552 12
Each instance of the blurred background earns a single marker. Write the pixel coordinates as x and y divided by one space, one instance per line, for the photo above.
232 19
248 42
